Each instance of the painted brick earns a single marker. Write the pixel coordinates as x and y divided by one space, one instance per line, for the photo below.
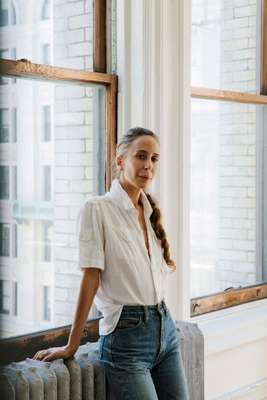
73 199
244 11
80 21
81 186
69 173
84 104
67 119
79 49
70 146
67 10
83 159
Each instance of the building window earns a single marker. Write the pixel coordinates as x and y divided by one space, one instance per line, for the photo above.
4 182
47 187
14 182
14 125
4 53
14 240
46 53
47 303
47 241
13 16
4 12
46 10
4 297
4 239
15 298
47 123
7 13
4 125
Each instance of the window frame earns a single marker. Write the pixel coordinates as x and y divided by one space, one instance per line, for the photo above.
235 296
19 347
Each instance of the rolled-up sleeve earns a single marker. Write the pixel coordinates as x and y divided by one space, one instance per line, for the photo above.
90 237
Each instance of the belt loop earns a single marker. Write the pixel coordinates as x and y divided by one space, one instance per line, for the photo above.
146 313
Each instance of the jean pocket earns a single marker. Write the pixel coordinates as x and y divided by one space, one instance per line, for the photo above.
128 324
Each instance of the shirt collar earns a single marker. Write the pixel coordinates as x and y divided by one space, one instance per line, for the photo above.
121 197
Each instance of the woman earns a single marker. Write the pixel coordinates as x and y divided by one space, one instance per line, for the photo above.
125 259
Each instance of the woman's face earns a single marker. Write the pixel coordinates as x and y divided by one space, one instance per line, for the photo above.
139 163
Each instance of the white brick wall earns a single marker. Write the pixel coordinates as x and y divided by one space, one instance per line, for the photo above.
229 129
237 149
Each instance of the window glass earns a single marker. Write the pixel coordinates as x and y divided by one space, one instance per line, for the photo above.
14 240
225 44
15 298
47 123
50 181
5 239
46 9
4 125
4 182
14 182
4 5
4 296
226 161
57 33
47 303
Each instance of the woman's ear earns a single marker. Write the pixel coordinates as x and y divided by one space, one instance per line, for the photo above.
119 162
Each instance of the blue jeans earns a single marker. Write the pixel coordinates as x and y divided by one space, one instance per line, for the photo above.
142 356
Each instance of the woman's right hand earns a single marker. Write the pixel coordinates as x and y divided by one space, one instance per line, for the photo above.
54 353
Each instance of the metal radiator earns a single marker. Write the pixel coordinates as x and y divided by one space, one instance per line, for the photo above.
83 378
79 378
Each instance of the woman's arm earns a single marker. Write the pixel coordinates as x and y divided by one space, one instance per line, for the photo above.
88 288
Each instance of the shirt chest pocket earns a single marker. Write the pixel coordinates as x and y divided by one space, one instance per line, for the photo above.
123 242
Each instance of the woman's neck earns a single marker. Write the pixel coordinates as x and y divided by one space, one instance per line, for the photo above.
133 193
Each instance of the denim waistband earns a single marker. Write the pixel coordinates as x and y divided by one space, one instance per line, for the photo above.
145 308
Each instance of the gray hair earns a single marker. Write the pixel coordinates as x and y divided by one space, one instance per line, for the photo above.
126 141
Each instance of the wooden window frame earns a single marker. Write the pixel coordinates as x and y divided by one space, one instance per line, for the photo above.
235 296
18 347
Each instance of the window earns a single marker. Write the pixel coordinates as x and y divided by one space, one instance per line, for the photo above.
14 125
47 183
46 53
4 53
54 179
228 114
4 125
7 13
46 10
4 182
15 298
4 296
14 240
46 303
5 240
14 182
47 241
47 123
4 12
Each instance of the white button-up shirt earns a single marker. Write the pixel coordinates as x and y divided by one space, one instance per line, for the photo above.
111 238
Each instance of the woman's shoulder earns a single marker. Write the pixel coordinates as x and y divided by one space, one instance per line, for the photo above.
100 200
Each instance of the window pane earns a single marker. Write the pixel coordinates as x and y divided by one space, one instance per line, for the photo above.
15 298
50 32
47 123
225 43
224 183
4 297
4 125
5 240
50 181
4 182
